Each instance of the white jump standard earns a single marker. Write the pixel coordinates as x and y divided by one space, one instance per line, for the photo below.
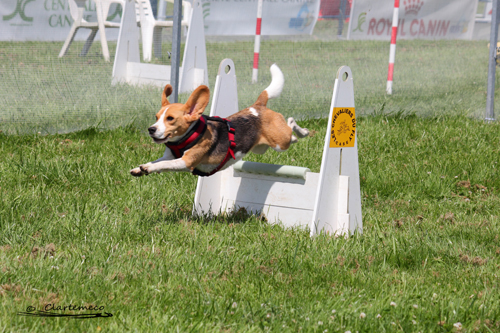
326 202
128 68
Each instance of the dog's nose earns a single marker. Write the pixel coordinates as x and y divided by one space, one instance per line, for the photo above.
152 130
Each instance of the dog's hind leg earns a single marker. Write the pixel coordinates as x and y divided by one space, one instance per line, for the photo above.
260 149
301 132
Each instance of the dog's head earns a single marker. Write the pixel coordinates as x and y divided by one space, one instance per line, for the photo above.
173 120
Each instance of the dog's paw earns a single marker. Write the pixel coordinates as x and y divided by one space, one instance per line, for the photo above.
301 132
137 172
146 168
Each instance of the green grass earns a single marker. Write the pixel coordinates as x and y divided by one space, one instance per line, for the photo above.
430 200
77 229
40 92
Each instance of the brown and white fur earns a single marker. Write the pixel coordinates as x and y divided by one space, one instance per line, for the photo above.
256 129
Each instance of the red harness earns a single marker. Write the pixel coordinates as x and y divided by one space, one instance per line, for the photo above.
196 133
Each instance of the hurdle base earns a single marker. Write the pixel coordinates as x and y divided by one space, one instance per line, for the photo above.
287 200
156 75
281 193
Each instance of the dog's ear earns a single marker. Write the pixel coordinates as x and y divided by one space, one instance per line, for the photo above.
166 92
197 103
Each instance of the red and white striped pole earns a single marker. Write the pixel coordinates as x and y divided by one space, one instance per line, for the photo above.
256 48
392 52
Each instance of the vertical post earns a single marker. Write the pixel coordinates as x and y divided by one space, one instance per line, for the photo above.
352 6
341 17
392 51
340 158
176 51
256 49
162 10
159 10
490 106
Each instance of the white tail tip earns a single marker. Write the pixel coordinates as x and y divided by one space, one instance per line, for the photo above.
277 82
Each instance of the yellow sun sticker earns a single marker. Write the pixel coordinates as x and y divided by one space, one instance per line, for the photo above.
343 129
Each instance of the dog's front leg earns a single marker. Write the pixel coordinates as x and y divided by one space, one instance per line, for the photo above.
162 166
167 156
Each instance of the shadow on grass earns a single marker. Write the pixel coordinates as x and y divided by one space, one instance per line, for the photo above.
237 215
184 214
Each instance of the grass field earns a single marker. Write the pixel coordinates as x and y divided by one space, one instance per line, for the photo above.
77 229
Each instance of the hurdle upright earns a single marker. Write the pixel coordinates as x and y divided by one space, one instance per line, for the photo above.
128 68
329 201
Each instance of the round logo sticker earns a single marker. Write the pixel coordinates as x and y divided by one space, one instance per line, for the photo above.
343 129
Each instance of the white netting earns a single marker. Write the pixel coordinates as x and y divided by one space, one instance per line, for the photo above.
40 92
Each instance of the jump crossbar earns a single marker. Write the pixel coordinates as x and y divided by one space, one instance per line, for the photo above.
275 170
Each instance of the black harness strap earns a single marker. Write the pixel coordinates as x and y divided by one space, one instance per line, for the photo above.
230 150
194 135
191 138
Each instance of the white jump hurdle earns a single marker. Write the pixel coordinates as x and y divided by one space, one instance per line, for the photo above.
128 68
328 201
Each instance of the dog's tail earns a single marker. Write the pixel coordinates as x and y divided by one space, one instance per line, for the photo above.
274 89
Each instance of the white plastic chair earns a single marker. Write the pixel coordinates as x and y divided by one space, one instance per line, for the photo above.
151 28
77 8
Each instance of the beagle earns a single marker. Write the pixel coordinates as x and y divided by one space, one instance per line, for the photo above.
204 145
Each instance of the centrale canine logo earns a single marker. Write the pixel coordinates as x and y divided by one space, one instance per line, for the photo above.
20 9
361 20
206 12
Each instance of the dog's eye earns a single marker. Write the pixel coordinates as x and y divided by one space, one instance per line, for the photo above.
170 118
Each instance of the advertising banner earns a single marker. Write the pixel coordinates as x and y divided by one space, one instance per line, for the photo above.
279 17
47 20
418 19
50 20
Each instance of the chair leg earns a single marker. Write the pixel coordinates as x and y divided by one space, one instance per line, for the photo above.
147 41
88 43
69 40
157 41
102 31
104 44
